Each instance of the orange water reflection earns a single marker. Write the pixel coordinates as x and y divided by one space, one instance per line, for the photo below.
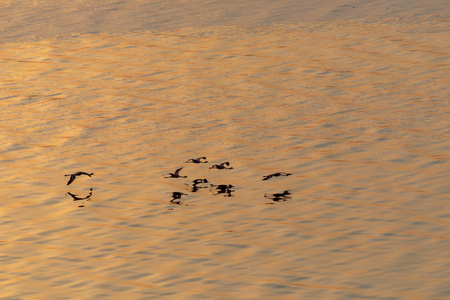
357 117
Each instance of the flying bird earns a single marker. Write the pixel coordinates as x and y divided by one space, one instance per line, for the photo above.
276 175
176 174
197 160
74 175
221 166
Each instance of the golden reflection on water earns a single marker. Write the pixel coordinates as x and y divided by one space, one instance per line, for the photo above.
357 111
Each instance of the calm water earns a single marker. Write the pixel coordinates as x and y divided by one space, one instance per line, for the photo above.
357 111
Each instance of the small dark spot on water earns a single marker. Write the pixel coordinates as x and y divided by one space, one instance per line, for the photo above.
419 223
211 282
276 286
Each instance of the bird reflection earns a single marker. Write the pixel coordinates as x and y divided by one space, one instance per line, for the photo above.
279 197
196 182
225 189
176 198
76 198
276 175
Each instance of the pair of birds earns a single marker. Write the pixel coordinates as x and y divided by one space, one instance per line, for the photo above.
203 160
176 174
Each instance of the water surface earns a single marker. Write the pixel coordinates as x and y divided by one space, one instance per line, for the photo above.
356 110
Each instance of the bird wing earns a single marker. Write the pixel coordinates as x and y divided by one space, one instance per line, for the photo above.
267 177
177 171
72 178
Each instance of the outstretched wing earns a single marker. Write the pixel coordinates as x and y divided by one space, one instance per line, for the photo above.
177 171
72 178
267 177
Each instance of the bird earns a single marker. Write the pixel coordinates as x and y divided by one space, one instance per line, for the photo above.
221 166
176 174
74 175
276 175
197 160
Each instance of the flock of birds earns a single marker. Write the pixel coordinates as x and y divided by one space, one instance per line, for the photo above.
225 189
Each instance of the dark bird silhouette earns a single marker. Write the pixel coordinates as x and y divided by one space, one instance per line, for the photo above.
276 175
221 166
197 160
176 174
74 175
278 197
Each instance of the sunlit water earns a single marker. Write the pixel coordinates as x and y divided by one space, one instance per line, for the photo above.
357 111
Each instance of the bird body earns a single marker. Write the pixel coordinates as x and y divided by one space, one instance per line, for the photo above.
74 175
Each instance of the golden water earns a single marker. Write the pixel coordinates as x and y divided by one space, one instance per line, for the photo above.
357 110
